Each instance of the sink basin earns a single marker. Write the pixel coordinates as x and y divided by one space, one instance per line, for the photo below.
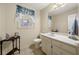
51 34
73 37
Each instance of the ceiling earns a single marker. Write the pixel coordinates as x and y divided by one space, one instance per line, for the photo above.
37 6
65 8
58 10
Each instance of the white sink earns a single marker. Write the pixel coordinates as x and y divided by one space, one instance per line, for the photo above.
74 38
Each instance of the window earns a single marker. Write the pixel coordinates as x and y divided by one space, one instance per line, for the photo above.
25 17
26 11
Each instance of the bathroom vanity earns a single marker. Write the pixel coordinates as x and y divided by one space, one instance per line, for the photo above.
59 44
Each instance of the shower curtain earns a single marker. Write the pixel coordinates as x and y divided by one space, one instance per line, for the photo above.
75 30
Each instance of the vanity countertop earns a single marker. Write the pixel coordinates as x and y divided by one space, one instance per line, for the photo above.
62 38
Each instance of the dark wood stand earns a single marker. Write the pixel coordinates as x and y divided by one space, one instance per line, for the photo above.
12 39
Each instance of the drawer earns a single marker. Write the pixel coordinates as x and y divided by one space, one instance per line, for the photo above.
58 51
64 46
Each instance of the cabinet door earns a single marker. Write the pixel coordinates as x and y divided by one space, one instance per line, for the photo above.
46 45
69 48
59 51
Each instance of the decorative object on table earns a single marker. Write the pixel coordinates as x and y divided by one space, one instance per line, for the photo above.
56 30
7 36
25 17
16 34
38 36
0 38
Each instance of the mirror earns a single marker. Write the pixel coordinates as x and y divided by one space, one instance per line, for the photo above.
65 18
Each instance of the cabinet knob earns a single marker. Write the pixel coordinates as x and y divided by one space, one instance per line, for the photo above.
51 46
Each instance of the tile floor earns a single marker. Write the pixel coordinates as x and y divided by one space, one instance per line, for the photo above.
31 50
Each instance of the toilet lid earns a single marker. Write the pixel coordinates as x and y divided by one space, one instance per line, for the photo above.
37 40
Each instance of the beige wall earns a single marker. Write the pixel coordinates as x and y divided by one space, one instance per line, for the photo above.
44 18
27 35
60 21
2 20
78 16
44 25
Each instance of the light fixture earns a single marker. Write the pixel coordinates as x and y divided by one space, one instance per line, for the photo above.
62 5
57 5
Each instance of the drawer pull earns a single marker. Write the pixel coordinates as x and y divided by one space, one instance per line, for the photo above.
51 46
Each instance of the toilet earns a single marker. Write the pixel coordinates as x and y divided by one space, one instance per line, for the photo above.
37 42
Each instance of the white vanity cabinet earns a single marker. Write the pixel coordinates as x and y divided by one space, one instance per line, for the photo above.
61 48
52 46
